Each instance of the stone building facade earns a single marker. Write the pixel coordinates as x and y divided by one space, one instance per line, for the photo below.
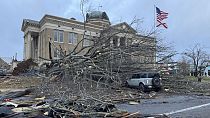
43 38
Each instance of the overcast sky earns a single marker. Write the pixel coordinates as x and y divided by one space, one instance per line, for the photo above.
188 22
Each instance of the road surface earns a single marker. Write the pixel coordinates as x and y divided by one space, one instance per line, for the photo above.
175 106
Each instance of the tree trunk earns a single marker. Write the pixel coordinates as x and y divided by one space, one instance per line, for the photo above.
199 78
196 72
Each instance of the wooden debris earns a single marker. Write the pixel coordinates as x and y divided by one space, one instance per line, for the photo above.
15 94
133 103
22 109
131 115
41 98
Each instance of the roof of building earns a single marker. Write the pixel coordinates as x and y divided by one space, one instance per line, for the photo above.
97 15
3 64
27 22
124 26
31 21
8 60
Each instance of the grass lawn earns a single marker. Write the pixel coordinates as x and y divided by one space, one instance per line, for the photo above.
204 79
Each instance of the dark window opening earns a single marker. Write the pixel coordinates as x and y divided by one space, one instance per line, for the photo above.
122 41
115 41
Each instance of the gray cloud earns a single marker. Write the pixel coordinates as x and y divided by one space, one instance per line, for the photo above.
188 19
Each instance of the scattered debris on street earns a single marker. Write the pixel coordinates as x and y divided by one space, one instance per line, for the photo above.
21 98
185 86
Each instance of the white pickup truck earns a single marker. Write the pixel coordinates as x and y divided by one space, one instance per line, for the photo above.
145 81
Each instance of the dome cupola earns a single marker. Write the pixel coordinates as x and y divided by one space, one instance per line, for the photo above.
98 18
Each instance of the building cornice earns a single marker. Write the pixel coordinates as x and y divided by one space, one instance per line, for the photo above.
65 21
28 22
60 22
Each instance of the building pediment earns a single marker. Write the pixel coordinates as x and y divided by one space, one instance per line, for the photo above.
124 27
28 22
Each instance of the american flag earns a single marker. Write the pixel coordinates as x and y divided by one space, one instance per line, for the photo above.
161 15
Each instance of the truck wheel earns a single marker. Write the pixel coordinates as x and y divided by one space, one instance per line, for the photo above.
141 87
156 82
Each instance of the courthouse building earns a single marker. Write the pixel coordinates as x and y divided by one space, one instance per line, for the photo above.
43 38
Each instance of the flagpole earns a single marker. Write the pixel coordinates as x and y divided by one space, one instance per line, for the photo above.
154 21
155 34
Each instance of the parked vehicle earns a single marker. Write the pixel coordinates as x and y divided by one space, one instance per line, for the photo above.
145 81
2 72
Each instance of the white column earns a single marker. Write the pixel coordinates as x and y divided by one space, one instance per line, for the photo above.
32 47
29 46
118 41
111 42
39 45
25 47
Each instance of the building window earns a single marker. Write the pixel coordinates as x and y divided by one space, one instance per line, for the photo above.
58 36
122 41
72 38
86 41
55 36
61 36
115 41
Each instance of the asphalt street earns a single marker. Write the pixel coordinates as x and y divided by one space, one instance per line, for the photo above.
175 106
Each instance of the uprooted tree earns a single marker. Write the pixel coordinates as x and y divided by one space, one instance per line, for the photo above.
24 66
107 61
112 56
109 58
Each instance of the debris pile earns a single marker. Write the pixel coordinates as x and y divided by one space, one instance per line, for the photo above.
186 86
22 103
24 67
17 82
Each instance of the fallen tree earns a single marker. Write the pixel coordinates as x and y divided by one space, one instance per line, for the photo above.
102 65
